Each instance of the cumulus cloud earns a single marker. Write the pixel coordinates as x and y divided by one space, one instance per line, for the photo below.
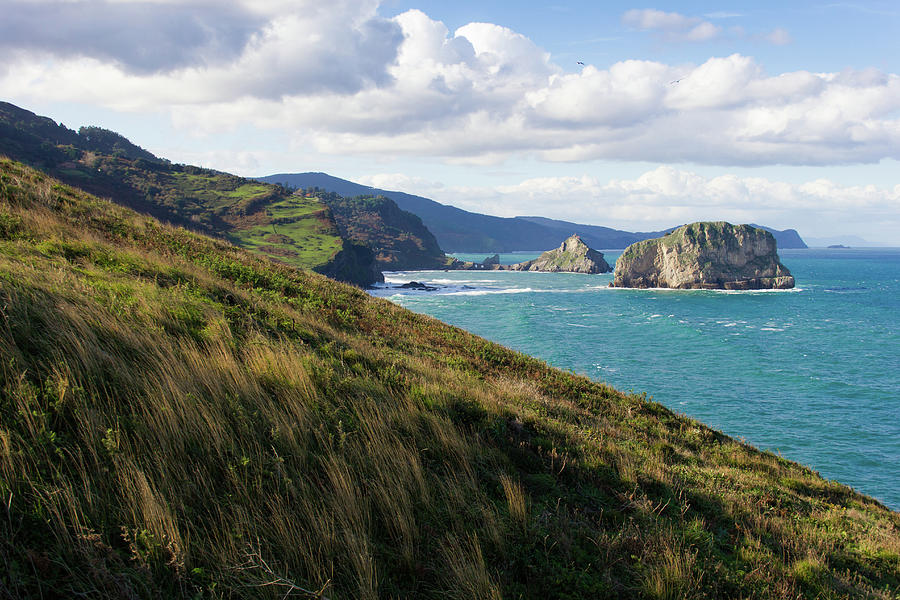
201 51
337 78
141 37
665 196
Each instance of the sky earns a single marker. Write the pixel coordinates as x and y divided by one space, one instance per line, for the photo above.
632 116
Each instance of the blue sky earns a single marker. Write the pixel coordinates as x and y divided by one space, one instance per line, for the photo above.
785 114
821 33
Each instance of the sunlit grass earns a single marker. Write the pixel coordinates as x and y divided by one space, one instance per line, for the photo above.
180 418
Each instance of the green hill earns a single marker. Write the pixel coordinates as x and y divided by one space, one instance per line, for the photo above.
266 219
181 418
399 238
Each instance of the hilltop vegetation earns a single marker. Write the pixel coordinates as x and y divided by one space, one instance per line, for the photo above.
266 219
705 255
43 142
182 418
398 238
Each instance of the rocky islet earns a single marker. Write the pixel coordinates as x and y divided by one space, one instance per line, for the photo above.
705 255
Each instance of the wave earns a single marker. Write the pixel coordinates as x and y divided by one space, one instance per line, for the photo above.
691 291
391 291
490 291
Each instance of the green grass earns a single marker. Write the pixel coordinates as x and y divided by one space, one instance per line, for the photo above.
299 233
219 191
181 418
244 211
259 217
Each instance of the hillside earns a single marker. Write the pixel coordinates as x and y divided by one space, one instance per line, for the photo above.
399 238
458 230
181 418
263 218
43 142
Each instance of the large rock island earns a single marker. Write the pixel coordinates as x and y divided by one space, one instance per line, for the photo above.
706 255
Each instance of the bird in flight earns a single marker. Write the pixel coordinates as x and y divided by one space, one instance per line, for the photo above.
673 82
580 63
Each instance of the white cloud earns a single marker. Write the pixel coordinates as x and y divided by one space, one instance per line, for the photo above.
702 32
408 86
778 37
649 18
198 52
665 196
674 26
141 37
402 182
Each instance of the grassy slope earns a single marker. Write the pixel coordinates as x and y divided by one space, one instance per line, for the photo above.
179 417
245 211
263 218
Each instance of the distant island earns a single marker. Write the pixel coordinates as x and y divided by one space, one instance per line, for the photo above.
705 255
572 256
838 246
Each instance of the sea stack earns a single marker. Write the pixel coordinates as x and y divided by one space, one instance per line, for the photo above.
705 255
573 256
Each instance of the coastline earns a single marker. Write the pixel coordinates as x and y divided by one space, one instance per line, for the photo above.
753 363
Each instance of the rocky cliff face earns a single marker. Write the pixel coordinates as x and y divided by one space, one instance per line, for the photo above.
354 264
708 255
399 239
573 256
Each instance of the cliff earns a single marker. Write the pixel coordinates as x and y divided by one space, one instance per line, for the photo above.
573 256
707 255
398 238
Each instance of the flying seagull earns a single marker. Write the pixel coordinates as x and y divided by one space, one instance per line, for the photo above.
580 63
675 81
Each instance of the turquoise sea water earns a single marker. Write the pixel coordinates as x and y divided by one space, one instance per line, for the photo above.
811 373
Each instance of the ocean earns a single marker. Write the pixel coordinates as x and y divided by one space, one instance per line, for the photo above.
810 373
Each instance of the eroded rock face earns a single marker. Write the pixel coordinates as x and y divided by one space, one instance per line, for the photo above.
706 255
491 260
573 256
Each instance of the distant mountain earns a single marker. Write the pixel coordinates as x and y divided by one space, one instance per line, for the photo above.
597 236
458 230
788 238
845 240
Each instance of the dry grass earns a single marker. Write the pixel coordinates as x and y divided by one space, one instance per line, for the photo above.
178 418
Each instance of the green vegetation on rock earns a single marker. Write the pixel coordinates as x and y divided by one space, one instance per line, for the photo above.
708 255
181 418
572 256
398 238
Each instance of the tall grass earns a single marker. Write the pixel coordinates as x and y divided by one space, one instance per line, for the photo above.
179 418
